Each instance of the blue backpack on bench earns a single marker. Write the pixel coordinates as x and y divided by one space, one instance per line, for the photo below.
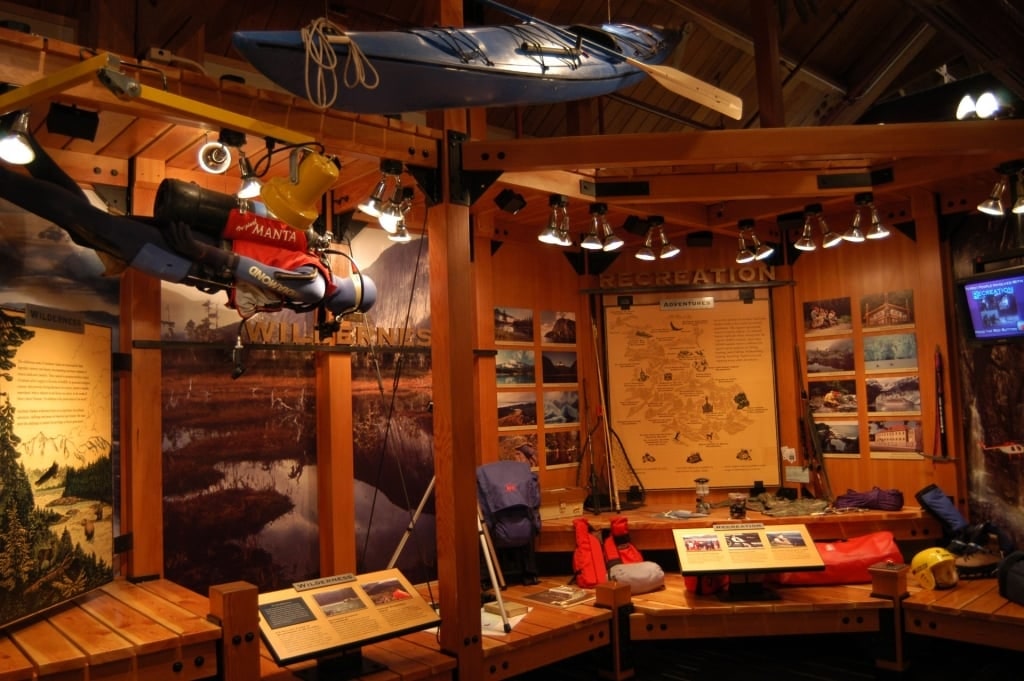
509 496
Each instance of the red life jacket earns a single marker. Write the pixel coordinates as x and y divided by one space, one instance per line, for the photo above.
588 561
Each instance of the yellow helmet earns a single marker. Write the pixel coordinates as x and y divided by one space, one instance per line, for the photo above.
934 568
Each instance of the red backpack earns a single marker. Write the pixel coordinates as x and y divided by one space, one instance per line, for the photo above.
588 562
618 547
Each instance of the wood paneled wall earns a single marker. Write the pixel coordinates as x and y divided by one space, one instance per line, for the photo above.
526 274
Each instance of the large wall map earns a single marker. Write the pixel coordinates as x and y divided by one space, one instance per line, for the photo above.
692 390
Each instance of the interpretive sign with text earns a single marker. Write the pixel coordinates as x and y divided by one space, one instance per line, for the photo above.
334 614
692 389
746 547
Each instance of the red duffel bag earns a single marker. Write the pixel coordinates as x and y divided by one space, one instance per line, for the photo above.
847 562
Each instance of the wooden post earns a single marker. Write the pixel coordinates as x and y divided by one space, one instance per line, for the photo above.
889 581
234 607
617 598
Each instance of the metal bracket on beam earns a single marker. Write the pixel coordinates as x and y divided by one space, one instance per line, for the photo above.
465 186
604 189
871 178
126 87
115 198
429 181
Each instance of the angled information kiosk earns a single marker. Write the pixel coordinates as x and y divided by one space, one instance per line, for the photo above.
745 552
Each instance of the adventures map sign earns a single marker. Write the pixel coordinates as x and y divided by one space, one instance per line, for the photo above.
692 389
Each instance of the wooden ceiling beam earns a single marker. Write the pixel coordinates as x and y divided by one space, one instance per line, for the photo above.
850 142
727 33
35 63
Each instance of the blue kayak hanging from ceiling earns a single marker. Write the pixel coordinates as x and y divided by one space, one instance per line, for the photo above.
421 69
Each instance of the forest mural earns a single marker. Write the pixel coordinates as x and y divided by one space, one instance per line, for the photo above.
58 481
56 496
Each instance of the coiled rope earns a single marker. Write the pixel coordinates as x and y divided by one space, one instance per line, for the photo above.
321 74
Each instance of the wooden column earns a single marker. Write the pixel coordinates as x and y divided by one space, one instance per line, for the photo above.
452 302
141 415
452 310
141 426
766 59
931 294
336 493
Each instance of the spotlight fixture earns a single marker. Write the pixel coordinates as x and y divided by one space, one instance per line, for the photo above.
563 228
1018 205
14 145
646 251
292 199
668 250
389 169
549 235
744 255
251 185
986 106
854 234
391 211
806 240
401 231
993 205
829 239
760 251
592 241
877 230
556 232
215 157
610 241
510 201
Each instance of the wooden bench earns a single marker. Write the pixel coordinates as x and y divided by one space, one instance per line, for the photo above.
160 631
971 612
119 632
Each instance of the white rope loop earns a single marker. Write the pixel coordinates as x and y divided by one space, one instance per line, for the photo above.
319 39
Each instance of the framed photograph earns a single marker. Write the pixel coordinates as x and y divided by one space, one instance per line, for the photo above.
887 310
893 395
839 438
513 325
833 356
558 367
837 396
519 447
890 352
828 316
517 409
558 327
515 367
561 448
896 437
561 407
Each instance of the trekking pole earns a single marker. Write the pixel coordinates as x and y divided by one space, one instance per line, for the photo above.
488 548
612 487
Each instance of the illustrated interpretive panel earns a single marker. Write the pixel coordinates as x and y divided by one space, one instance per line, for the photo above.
56 468
692 389
332 614
746 547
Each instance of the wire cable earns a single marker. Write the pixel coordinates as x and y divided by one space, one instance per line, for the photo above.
318 39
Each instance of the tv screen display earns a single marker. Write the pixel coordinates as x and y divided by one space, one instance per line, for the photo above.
991 303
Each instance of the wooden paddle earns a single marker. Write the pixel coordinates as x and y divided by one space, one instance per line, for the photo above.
674 80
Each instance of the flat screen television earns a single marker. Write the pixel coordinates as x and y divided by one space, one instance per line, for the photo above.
990 305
